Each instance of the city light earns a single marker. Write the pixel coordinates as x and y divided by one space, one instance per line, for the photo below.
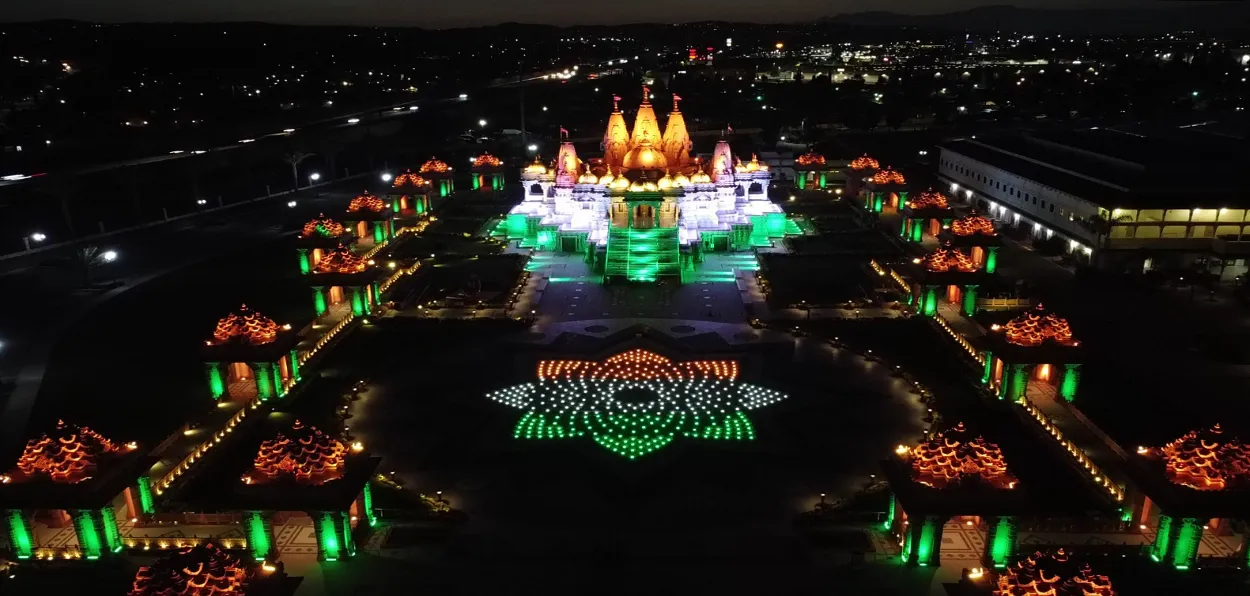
38 236
412 108
314 176
201 202
532 148
387 177
464 96
482 123
109 256
353 120
288 130
291 203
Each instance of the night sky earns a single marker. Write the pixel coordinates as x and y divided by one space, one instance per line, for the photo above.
454 13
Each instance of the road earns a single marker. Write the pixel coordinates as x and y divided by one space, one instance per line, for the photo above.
44 296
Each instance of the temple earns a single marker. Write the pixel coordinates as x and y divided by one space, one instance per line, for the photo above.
646 210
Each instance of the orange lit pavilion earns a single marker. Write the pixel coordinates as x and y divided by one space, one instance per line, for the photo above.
1036 347
862 168
251 356
487 172
885 191
370 219
441 175
1051 574
975 233
929 212
201 570
410 193
952 271
317 235
811 171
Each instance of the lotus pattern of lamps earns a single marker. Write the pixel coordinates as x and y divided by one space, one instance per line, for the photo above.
811 158
246 325
340 260
434 166
366 202
1038 325
953 457
304 453
973 224
69 456
1207 460
1052 574
201 570
946 259
409 180
636 402
929 199
487 160
888 176
322 226
864 162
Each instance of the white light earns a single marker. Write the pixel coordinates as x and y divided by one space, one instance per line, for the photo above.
783 137
14 177
314 176
412 108
247 140
288 130
38 236
291 204
532 148
176 152
201 201
353 120
109 256
386 176
464 96
199 152
482 123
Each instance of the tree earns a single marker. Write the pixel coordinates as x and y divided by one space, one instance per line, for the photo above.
294 158
91 258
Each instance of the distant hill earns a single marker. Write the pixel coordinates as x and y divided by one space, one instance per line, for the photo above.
1213 18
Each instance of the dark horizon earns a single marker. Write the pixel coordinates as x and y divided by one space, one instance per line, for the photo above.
561 13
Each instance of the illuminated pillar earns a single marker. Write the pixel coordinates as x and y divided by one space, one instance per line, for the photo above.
358 304
294 364
305 266
476 180
396 205
917 230
1017 382
823 180
903 228
923 542
1165 540
366 500
930 301
991 259
877 199
1000 541
277 380
890 512
319 300
334 539
970 300
258 528
21 535
1071 378
989 367
800 181
264 380
379 231
144 489
1188 538
89 528
216 384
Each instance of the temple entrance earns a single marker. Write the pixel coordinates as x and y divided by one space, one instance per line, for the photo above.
536 189
644 217
756 188
240 380
317 254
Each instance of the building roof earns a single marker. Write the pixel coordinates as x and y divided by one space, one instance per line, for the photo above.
1122 169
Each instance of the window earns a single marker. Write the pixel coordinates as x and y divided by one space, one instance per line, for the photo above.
1052 207
1034 200
1043 204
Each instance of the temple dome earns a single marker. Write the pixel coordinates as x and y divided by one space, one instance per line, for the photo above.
645 157
588 178
434 166
606 179
681 181
536 168
811 158
864 162
700 178
665 182
621 183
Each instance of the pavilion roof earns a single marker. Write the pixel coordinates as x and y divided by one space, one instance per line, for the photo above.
929 199
69 455
246 326
954 457
809 159
888 176
973 224
366 202
864 162
1037 326
303 453
322 227
409 180
1053 573
201 570
1207 460
434 166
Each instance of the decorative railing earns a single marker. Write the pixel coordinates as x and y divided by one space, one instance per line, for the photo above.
959 339
183 466
1078 454
166 543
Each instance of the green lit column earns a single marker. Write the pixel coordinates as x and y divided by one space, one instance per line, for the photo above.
216 383
258 527
305 266
1071 378
379 231
903 229
366 503
989 367
477 181
800 181
1000 541
917 230
1017 382
824 180
970 300
890 512
112 537
878 200
991 259
1165 540
319 300
277 379
923 542
89 528
21 535
930 301
332 542
264 380
1188 538
294 364
395 206
147 504
358 302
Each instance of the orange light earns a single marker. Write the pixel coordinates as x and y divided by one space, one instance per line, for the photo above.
68 457
246 325
952 458
487 160
864 162
929 199
1206 460
340 260
409 179
1049 574
434 166
204 570
322 226
946 258
811 158
366 202
888 176
1032 328
973 224
307 455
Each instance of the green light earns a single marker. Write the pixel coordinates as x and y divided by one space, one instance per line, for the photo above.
904 228
989 367
328 538
257 535
305 267
1163 539
801 181
776 224
928 536
822 180
1003 545
991 260
1071 378
319 300
367 502
970 300
216 384
146 502
88 537
697 409
477 181
264 381
917 230
347 536
379 231
111 536
890 512
19 535
1019 382
293 361
930 301
1187 541
358 304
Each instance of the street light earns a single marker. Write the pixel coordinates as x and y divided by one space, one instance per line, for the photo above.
109 256
313 177
482 123
387 177
36 237
532 148
291 203
201 202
